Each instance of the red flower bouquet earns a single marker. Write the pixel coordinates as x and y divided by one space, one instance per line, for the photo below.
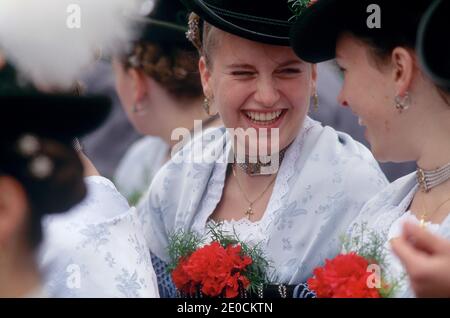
345 276
360 273
223 268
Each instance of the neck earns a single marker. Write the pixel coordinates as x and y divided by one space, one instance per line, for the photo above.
183 116
433 140
435 152
431 134
18 275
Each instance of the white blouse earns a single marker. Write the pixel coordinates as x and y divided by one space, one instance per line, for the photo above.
139 166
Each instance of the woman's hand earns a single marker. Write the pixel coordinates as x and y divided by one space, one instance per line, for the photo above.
88 166
426 258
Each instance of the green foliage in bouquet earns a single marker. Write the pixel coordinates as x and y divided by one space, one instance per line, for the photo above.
370 245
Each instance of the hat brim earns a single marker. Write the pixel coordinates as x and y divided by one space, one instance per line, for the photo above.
61 117
158 31
251 30
432 38
313 36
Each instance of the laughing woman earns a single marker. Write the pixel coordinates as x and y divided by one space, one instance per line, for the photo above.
297 211
406 114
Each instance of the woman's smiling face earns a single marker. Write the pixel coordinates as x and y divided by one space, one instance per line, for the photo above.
369 91
256 85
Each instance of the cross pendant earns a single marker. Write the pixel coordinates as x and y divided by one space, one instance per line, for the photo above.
249 212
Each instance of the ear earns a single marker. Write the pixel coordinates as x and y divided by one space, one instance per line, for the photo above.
13 208
403 62
205 75
140 84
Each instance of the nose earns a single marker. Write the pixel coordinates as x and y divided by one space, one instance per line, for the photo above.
267 93
341 99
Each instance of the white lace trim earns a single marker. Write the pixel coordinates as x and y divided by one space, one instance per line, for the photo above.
396 228
395 267
246 230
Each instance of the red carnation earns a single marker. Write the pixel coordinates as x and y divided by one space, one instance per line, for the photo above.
345 276
215 269
182 279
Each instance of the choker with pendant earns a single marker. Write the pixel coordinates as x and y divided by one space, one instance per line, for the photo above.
261 168
429 179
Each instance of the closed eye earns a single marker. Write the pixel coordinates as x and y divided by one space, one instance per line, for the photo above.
242 73
290 71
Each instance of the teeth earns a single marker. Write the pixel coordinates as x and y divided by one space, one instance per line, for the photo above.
263 117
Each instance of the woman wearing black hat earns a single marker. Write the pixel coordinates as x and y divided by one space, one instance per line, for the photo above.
293 190
160 90
406 114
425 256
40 173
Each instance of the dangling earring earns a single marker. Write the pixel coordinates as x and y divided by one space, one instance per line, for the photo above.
315 102
402 102
207 107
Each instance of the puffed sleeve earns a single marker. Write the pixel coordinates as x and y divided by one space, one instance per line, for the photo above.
97 249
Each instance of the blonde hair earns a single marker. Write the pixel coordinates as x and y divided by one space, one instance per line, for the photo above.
203 36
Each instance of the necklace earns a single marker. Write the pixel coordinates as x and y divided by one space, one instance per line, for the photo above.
249 212
260 168
423 218
429 179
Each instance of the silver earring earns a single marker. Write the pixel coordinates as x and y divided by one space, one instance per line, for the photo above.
402 102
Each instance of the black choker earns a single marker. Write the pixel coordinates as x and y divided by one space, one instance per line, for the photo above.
261 168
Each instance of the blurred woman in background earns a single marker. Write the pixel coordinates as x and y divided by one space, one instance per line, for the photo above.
159 86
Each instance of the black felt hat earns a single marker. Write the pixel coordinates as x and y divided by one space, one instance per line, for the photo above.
433 42
59 116
262 21
164 21
36 141
315 32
